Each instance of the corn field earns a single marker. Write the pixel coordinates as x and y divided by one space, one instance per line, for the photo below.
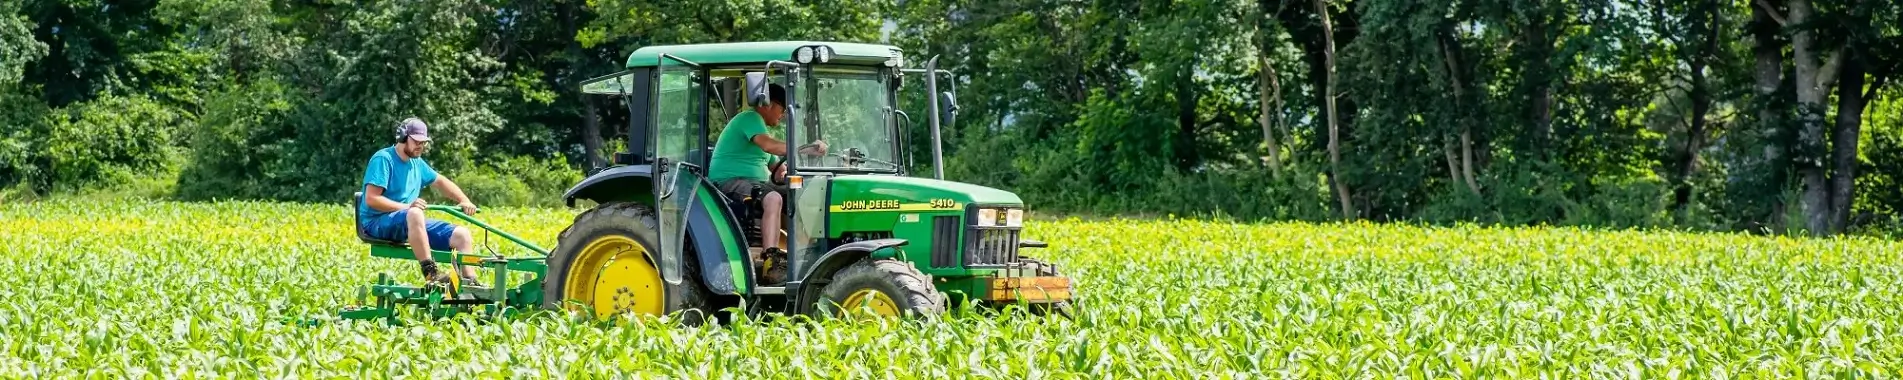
190 290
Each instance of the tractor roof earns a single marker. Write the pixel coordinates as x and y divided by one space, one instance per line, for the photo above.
755 52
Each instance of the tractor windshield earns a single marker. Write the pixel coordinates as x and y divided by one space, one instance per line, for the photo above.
848 109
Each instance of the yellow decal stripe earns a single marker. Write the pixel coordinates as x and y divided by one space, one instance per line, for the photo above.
904 207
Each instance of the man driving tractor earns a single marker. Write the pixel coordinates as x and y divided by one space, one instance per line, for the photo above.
392 207
739 167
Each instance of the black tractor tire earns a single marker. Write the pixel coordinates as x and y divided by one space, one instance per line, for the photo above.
690 299
911 292
1062 308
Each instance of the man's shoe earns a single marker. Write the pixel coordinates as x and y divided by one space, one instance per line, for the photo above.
775 263
471 281
433 274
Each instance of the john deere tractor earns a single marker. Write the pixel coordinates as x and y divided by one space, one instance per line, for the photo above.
863 234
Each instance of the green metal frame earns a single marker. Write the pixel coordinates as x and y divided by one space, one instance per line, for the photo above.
381 299
757 52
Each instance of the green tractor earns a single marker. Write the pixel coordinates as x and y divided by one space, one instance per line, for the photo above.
863 235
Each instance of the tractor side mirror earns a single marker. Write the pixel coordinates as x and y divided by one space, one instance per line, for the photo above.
756 89
948 108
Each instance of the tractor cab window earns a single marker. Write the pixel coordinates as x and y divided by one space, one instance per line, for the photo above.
848 108
727 97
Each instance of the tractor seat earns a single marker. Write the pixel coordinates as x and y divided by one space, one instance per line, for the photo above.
357 224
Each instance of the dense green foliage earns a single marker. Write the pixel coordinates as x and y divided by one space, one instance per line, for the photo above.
1613 113
174 289
1761 116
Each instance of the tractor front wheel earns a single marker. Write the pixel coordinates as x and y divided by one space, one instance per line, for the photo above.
605 263
880 288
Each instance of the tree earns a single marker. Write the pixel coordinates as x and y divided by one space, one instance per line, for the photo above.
1334 124
17 46
1692 32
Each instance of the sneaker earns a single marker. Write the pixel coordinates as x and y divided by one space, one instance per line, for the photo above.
775 263
431 273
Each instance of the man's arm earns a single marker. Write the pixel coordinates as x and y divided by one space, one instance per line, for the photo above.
769 144
447 187
776 147
443 185
373 197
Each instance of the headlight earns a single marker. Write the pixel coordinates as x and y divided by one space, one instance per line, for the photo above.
1014 218
825 54
987 217
803 55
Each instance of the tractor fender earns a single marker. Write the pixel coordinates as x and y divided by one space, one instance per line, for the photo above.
840 257
621 183
706 236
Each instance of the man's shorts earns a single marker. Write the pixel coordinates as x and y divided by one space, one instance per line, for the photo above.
741 188
390 227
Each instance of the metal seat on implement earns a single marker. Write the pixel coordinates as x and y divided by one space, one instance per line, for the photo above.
357 224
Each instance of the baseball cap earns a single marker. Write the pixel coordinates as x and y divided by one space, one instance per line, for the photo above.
414 128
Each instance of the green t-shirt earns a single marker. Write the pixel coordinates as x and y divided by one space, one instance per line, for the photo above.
735 154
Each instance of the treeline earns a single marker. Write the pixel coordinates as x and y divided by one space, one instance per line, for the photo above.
1763 115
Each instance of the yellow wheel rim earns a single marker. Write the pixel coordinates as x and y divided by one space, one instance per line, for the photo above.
868 302
614 276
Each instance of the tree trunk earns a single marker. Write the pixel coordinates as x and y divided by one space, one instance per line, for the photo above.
1540 72
591 134
590 119
1460 166
1694 142
1467 159
1187 156
1706 30
1843 177
1334 130
1810 136
1271 91
1768 52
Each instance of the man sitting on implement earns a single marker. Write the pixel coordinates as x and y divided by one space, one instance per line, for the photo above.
393 205
739 167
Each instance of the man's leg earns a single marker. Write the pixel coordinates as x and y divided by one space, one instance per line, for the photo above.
418 236
770 221
419 239
775 270
462 242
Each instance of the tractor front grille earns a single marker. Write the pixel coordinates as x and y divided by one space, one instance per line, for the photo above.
945 241
991 246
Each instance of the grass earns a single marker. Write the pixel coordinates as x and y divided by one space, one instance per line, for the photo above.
174 290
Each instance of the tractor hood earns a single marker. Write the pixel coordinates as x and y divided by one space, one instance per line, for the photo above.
895 192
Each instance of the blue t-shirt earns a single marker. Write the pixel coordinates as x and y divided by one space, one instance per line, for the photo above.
402 180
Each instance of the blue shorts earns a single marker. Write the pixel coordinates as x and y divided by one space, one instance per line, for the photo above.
390 227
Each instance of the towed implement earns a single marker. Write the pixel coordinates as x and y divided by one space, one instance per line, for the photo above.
863 235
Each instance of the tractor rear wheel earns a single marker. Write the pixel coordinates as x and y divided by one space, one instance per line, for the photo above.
604 262
880 288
